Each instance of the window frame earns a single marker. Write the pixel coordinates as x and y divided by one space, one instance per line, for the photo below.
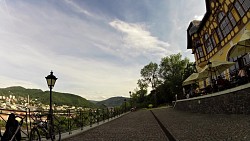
239 8
198 49
208 43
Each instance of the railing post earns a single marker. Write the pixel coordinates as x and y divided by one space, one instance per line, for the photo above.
26 120
90 117
69 121
108 113
81 119
97 116
103 115
29 120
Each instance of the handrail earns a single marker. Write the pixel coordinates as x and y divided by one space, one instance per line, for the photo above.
68 120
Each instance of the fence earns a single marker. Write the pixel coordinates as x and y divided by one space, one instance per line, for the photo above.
68 120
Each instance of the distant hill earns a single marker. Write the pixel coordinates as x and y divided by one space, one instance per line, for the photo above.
112 102
93 101
43 96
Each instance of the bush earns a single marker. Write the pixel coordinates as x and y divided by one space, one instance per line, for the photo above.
150 105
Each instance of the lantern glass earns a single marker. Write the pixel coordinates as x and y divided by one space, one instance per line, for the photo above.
51 80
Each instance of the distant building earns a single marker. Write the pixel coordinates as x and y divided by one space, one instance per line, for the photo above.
216 37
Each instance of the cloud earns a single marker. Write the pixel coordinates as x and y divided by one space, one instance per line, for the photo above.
82 55
93 55
77 8
137 37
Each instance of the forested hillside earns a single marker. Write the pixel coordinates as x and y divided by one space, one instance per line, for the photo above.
43 96
112 102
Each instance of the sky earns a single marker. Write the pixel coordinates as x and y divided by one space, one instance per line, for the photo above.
96 48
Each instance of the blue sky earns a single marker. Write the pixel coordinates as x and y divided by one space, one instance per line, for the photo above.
96 48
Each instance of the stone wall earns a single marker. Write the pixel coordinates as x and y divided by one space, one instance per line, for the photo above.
231 101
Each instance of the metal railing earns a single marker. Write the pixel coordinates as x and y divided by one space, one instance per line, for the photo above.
68 120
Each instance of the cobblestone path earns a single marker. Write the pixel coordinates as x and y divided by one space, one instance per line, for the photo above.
184 126
135 126
187 126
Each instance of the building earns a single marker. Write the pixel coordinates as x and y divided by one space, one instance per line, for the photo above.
217 36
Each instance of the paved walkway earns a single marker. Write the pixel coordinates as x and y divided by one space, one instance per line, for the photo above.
185 126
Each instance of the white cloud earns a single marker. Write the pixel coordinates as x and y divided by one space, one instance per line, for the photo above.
137 37
78 8
36 43
91 55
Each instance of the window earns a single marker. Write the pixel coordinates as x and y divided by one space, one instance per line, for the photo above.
213 41
208 43
221 15
225 24
199 50
239 8
245 4
231 18
219 33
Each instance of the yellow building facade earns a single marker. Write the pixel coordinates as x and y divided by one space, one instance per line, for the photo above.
218 33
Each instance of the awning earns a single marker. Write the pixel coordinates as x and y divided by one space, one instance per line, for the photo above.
198 68
242 47
216 67
193 78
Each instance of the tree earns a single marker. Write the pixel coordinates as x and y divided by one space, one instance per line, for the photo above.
142 90
189 69
149 73
171 72
165 80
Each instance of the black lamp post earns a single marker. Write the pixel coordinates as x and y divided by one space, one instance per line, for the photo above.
209 66
130 99
51 80
125 100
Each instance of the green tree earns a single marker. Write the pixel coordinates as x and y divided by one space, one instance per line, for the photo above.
189 69
142 92
149 73
171 72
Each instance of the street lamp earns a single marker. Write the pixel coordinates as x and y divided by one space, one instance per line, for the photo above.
51 80
125 104
210 66
130 99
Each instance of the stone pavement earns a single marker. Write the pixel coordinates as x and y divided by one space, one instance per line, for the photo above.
185 126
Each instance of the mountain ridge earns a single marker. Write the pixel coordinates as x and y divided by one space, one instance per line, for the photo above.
58 98
112 102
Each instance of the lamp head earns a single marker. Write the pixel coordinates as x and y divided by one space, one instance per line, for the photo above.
51 80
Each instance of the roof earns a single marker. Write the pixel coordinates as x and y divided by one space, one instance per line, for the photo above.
196 26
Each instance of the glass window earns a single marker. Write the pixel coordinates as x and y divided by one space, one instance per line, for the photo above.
218 31
220 16
231 18
245 4
208 43
224 23
225 26
239 8
199 50
213 41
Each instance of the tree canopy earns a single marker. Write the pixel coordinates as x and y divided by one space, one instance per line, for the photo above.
164 79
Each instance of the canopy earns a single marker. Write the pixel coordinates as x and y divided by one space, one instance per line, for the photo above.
198 68
242 47
194 77
217 67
